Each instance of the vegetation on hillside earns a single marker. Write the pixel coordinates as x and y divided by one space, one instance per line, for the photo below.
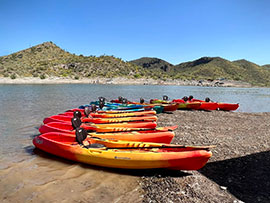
47 60
212 68
153 63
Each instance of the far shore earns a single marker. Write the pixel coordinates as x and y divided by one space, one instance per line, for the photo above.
123 81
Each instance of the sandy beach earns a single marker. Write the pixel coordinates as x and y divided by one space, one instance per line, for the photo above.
237 172
122 81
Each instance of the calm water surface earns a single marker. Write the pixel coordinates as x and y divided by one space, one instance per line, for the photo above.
23 107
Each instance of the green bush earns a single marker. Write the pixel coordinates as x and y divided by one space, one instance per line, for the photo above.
76 77
137 75
13 76
43 76
35 75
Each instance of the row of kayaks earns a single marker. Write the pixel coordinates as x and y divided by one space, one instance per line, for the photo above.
117 135
186 103
196 104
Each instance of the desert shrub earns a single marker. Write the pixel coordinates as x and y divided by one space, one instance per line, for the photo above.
35 75
13 76
42 76
76 77
137 75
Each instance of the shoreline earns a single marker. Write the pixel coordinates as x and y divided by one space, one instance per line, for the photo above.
237 171
124 81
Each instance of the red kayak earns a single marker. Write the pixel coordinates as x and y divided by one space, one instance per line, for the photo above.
208 106
111 127
63 118
169 107
227 106
187 105
218 106
157 136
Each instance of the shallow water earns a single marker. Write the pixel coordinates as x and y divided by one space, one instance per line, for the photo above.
23 107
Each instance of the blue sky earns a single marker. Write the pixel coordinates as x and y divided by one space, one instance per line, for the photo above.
174 30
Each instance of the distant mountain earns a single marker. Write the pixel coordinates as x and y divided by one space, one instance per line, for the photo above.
267 66
152 63
47 59
208 68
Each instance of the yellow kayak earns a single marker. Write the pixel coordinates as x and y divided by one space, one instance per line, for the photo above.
123 154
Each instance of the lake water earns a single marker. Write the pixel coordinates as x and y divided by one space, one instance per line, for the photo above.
23 107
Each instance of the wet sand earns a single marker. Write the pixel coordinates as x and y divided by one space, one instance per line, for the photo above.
47 178
238 170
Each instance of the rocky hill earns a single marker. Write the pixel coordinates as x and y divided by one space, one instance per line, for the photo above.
153 63
216 67
211 68
47 59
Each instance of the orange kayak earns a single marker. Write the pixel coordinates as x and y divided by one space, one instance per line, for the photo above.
110 127
115 115
63 118
124 154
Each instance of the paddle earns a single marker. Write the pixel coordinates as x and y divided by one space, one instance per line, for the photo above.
81 135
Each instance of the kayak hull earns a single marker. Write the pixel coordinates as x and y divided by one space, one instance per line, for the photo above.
207 106
170 107
172 158
227 106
